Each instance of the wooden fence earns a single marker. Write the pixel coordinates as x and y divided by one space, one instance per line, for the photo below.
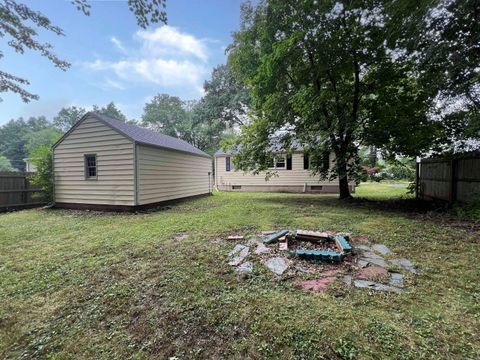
16 192
449 180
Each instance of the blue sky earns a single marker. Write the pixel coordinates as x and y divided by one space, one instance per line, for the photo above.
115 60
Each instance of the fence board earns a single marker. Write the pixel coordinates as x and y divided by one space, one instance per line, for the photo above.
449 180
17 192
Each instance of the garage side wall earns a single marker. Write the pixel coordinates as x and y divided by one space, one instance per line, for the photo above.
114 184
164 175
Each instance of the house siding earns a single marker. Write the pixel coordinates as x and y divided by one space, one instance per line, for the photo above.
164 175
114 184
287 180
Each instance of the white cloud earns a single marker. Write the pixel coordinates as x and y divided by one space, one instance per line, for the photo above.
165 57
118 44
167 40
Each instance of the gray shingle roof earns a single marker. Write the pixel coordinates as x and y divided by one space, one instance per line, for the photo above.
275 148
147 137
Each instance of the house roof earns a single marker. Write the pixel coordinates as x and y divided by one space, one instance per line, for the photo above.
276 147
141 135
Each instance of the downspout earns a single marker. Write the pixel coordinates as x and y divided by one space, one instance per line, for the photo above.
216 173
53 174
135 174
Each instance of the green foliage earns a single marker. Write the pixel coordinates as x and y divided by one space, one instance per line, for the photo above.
67 117
469 211
226 99
320 72
42 158
5 164
47 136
16 134
190 121
112 111
166 114
401 169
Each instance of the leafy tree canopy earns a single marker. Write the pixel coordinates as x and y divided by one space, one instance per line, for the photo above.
5 164
15 135
67 117
188 120
226 98
112 111
323 73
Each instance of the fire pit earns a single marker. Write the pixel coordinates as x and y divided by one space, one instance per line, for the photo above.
312 245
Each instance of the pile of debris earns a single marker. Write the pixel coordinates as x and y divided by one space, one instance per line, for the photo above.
326 256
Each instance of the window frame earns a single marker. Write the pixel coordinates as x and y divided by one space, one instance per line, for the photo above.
86 167
275 163
228 163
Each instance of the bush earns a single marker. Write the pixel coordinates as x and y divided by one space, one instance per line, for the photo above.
5 164
41 157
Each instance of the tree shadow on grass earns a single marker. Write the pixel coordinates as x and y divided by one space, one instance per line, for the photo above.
438 212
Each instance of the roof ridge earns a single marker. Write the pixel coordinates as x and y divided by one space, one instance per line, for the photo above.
149 137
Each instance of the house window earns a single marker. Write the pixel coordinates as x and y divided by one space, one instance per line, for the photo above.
228 164
236 187
90 166
278 162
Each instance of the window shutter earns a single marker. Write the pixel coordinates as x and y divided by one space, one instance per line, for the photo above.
289 162
306 161
227 163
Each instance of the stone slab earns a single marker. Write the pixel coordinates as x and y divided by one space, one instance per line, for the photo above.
373 272
317 285
382 249
236 249
396 279
375 286
277 265
239 258
245 268
261 249
405 264
379 262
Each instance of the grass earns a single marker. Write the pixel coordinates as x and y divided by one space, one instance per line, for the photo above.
83 285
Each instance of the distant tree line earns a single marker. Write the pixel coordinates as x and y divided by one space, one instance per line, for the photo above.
203 123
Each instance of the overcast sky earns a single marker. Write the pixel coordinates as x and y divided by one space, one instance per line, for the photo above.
115 60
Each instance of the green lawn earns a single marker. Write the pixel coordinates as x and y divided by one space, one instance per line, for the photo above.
83 285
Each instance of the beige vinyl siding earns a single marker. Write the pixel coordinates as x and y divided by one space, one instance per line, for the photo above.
115 166
167 174
295 177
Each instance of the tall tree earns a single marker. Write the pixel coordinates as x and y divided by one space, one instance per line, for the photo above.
19 25
112 111
166 114
320 72
226 99
34 139
186 120
67 117
14 136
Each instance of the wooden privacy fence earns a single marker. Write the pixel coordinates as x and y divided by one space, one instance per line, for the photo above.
449 180
16 191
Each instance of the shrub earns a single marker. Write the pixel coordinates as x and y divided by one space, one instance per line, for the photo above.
41 157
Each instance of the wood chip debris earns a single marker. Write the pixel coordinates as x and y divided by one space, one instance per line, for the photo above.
235 237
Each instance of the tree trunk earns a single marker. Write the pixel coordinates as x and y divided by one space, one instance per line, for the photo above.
343 186
343 179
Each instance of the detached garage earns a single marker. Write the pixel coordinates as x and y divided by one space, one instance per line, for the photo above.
104 163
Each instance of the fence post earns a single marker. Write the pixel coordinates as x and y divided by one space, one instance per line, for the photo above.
417 179
453 181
